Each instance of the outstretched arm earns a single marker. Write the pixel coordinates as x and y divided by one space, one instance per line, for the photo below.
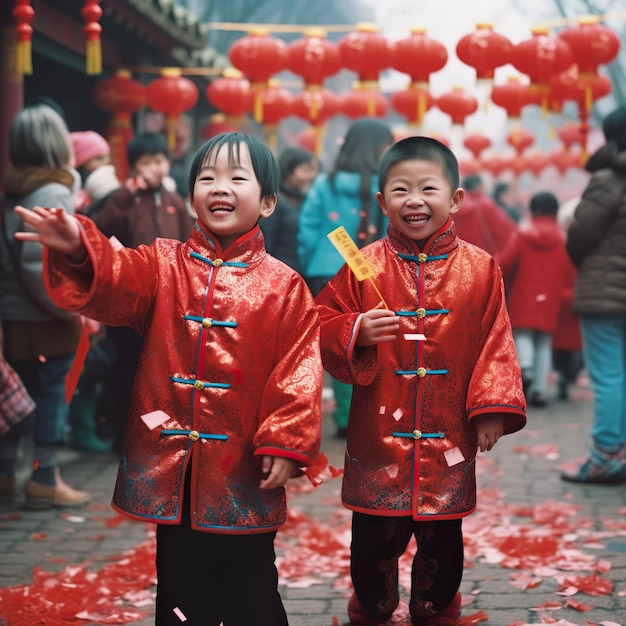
53 228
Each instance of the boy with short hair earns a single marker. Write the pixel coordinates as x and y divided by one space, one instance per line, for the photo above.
435 378
227 400
536 272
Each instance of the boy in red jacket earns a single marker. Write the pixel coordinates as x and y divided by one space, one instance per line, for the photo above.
536 268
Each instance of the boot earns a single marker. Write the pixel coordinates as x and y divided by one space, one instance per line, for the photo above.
83 434
39 496
446 617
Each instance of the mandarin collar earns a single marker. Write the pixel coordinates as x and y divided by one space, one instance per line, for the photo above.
248 248
443 241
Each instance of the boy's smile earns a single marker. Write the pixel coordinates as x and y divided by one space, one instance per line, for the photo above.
417 198
227 195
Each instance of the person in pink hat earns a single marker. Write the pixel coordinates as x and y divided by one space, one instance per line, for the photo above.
92 154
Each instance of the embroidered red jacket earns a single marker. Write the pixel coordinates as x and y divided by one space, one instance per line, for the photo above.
411 445
231 355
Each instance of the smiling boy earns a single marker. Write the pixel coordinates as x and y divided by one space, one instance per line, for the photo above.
436 379
227 399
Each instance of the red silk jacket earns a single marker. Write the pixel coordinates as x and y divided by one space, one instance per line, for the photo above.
231 355
411 446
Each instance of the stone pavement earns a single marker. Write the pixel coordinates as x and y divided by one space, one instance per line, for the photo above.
532 536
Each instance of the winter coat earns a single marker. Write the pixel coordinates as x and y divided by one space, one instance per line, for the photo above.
35 326
411 444
536 269
483 223
139 217
325 209
596 238
230 355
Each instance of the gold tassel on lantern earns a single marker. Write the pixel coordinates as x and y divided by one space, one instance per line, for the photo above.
91 13
23 14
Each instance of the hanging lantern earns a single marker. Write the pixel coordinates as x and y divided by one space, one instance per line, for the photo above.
512 96
412 102
418 56
229 93
119 96
275 103
258 55
570 134
23 14
458 104
365 52
591 43
362 101
316 105
520 139
564 160
217 124
171 94
313 57
493 164
536 162
92 13
469 167
539 58
484 50
476 143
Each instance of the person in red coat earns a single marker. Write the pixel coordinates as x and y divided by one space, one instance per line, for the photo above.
431 358
480 220
536 272
226 404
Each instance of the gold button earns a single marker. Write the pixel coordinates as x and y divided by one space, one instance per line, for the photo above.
194 435
218 262
417 434
421 312
421 372
207 323
198 385
421 257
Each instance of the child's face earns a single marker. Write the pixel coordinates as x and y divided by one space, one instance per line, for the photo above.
417 198
153 168
227 196
303 176
95 162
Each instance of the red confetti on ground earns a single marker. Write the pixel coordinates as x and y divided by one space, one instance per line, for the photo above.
470 620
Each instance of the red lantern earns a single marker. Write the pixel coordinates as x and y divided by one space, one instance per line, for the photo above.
457 104
564 160
418 56
476 143
120 96
569 134
412 102
92 13
313 57
520 139
512 96
229 93
258 55
494 164
540 57
484 50
536 162
171 94
217 124
468 167
365 52
362 101
315 106
275 103
23 14
591 43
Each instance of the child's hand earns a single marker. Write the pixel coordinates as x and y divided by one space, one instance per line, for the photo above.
135 182
489 429
278 469
53 228
377 325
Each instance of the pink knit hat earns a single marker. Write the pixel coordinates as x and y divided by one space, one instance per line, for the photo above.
87 145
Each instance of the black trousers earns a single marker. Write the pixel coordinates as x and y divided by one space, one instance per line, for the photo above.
214 578
377 544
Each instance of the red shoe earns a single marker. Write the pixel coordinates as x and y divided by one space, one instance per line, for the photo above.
357 614
447 617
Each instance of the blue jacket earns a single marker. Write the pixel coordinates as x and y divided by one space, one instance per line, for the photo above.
326 209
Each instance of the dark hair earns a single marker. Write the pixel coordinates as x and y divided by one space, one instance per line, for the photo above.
472 182
262 158
614 127
544 203
499 189
292 157
146 144
420 149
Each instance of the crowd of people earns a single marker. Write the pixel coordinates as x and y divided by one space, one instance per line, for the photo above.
213 314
